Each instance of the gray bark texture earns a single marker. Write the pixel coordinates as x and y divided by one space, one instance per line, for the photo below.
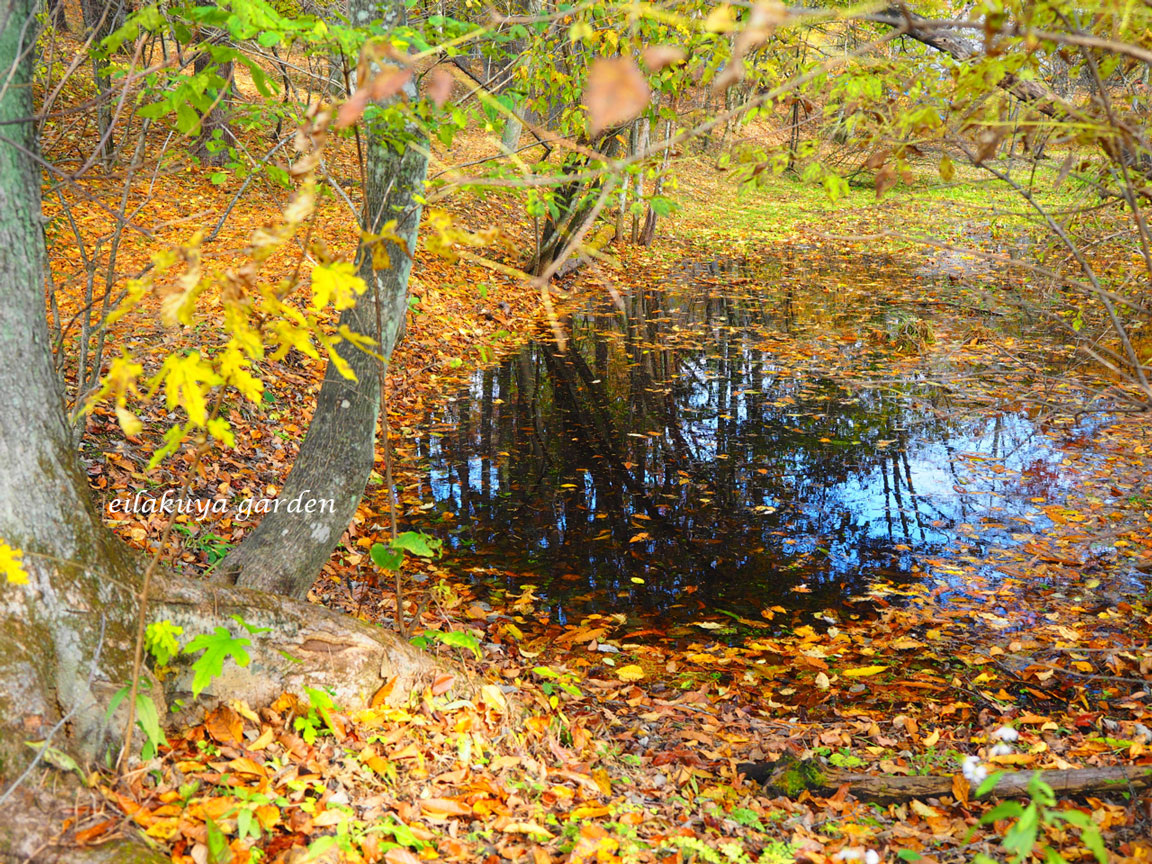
286 551
216 118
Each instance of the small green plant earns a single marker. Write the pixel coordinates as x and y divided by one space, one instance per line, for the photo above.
845 759
319 714
452 638
147 718
160 641
218 647
1023 834
390 557
212 546
554 681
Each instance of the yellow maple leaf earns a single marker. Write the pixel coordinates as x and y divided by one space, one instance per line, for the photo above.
631 672
12 564
863 671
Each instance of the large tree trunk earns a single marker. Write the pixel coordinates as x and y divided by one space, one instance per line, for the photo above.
67 636
285 552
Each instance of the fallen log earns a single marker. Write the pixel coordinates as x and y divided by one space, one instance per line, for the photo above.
790 777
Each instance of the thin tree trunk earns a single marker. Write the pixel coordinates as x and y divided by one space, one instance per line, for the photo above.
286 551
100 19
212 149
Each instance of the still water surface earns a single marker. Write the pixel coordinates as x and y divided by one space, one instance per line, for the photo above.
722 445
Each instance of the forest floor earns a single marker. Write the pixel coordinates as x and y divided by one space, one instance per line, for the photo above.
587 741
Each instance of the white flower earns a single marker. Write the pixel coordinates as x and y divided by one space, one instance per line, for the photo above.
850 853
871 857
1001 749
1006 733
973 771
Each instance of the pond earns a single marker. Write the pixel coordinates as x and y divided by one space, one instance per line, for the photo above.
729 442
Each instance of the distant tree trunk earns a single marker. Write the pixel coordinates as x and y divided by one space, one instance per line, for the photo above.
286 552
57 17
640 141
102 17
648 231
510 137
211 148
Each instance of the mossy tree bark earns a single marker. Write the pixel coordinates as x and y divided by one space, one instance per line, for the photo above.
286 551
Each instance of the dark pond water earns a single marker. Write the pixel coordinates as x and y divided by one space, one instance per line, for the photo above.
721 445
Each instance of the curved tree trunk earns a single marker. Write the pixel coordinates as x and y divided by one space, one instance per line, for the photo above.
286 551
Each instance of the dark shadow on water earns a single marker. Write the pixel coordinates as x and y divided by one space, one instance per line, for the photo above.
679 458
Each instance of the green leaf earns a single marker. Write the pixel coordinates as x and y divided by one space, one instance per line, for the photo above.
57 758
1003 810
217 648
148 717
218 849
989 784
385 558
908 855
160 640
251 628
1095 843
456 639
418 543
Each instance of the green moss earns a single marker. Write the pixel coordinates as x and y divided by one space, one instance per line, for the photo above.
794 776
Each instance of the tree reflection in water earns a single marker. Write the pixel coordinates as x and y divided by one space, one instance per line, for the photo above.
670 461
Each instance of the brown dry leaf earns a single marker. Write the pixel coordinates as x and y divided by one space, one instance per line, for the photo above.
439 86
877 159
631 672
378 764
440 807
987 142
400 855
443 684
530 828
731 74
266 738
225 725
385 85
960 788
762 23
83 838
493 697
244 765
657 57
886 178
616 93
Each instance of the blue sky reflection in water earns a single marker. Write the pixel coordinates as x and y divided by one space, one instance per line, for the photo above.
681 456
